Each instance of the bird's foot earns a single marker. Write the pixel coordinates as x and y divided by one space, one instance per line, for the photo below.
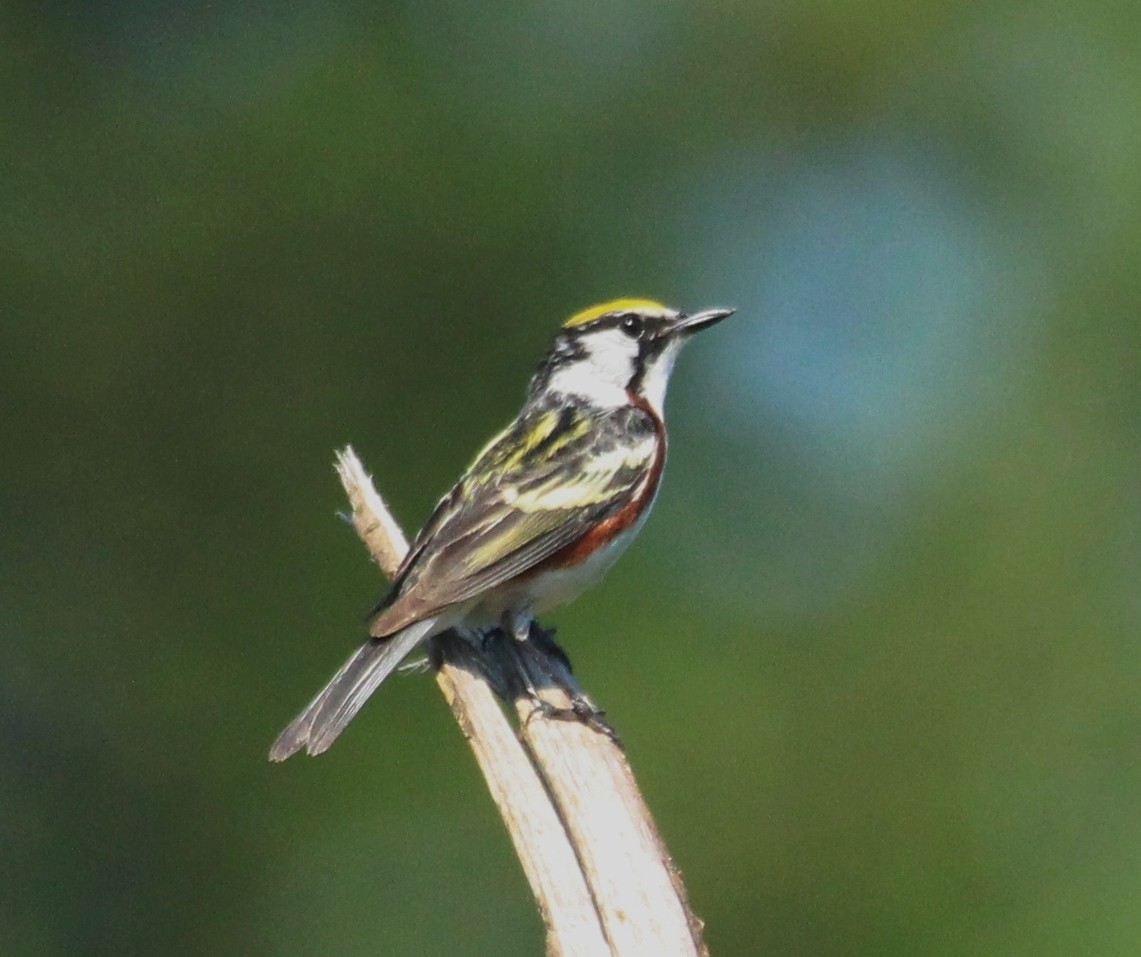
581 709
416 666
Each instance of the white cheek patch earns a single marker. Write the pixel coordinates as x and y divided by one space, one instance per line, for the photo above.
602 375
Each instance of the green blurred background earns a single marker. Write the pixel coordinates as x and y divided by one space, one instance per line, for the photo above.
876 659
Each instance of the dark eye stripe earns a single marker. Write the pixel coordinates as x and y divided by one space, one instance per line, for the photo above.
633 325
613 320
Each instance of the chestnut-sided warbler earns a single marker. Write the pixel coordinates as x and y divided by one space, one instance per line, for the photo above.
546 507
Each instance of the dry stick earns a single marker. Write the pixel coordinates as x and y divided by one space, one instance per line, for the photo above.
633 880
602 830
540 840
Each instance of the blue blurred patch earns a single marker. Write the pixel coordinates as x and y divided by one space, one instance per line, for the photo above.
881 308
883 326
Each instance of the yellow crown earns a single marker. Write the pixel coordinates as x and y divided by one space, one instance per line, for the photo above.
614 305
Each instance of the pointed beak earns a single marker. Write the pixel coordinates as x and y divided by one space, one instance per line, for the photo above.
687 325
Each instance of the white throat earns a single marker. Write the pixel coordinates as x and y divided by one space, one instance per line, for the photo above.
657 376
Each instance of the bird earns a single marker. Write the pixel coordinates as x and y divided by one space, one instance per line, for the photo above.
545 508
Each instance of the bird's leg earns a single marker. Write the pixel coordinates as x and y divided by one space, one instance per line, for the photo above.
417 666
557 667
517 623
544 640
539 662
512 677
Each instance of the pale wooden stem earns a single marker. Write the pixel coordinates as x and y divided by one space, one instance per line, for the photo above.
635 885
538 834
601 876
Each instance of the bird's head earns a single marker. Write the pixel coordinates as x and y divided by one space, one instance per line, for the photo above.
617 349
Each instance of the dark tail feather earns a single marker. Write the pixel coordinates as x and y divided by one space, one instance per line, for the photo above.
327 715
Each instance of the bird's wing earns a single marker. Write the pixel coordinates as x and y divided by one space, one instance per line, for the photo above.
536 488
534 433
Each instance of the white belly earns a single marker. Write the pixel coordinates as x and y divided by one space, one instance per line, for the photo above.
560 585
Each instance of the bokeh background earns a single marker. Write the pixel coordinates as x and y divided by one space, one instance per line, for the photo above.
876 658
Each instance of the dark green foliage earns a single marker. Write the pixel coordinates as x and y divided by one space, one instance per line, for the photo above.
876 657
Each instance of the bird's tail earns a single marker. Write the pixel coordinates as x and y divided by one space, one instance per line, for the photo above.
327 715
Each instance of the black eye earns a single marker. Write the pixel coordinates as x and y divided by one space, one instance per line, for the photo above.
632 326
